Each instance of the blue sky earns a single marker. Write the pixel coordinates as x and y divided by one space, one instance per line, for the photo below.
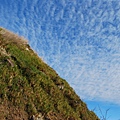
80 39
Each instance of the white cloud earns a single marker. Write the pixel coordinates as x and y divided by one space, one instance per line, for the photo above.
81 44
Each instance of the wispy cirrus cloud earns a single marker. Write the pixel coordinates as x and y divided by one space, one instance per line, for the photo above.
79 39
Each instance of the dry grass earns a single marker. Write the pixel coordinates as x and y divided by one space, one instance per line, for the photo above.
11 37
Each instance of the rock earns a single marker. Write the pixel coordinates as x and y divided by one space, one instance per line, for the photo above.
37 117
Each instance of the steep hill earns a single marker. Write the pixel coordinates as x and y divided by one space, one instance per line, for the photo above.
30 89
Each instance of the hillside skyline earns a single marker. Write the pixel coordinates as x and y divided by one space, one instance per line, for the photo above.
32 90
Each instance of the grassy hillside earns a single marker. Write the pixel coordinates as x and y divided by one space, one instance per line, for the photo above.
30 89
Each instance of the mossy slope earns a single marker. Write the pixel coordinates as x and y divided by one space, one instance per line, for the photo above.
28 86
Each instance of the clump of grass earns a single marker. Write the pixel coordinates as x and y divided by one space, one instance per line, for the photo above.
11 37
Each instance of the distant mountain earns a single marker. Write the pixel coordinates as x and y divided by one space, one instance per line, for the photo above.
30 89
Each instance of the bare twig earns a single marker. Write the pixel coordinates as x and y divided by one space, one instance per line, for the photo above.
104 117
